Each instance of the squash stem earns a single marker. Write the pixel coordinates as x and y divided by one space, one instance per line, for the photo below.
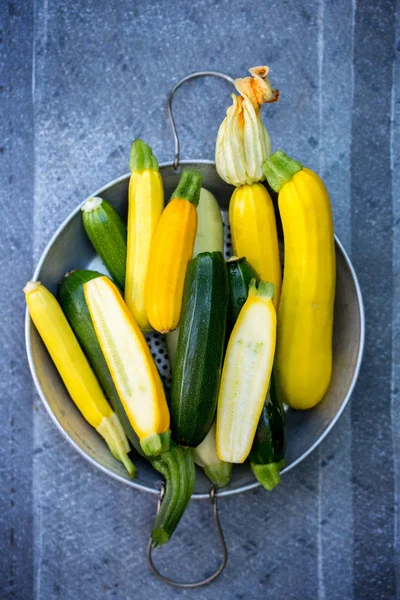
156 444
142 157
268 475
279 168
219 474
262 289
31 286
179 466
189 186
111 430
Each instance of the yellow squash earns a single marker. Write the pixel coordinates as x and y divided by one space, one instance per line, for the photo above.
246 374
209 238
171 250
74 369
253 230
145 205
241 148
303 363
131 365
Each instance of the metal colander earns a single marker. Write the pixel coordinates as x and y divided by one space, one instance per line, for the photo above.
70 249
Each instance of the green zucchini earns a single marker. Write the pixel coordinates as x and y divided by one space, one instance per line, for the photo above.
209 238
205 456
267 456
198 363
73 303
240 274
176 465
107 232
268 450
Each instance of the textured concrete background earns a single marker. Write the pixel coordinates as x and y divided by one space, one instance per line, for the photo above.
77 82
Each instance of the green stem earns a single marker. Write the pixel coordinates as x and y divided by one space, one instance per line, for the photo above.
264 289
142 157
111 430
189 186
159 464
279 168
179 465
156 444
268 475
219 474
169 518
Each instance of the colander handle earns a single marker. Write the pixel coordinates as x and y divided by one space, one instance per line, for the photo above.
195 584
170 98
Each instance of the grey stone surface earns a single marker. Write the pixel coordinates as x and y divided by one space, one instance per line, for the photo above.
77 82
395 391
16 389
372 240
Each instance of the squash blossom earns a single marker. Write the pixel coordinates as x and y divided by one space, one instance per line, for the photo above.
243 142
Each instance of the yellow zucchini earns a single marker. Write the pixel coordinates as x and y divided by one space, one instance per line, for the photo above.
131 365
74 369
254 235
246 374
171 250
303 364
145 205
209 238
